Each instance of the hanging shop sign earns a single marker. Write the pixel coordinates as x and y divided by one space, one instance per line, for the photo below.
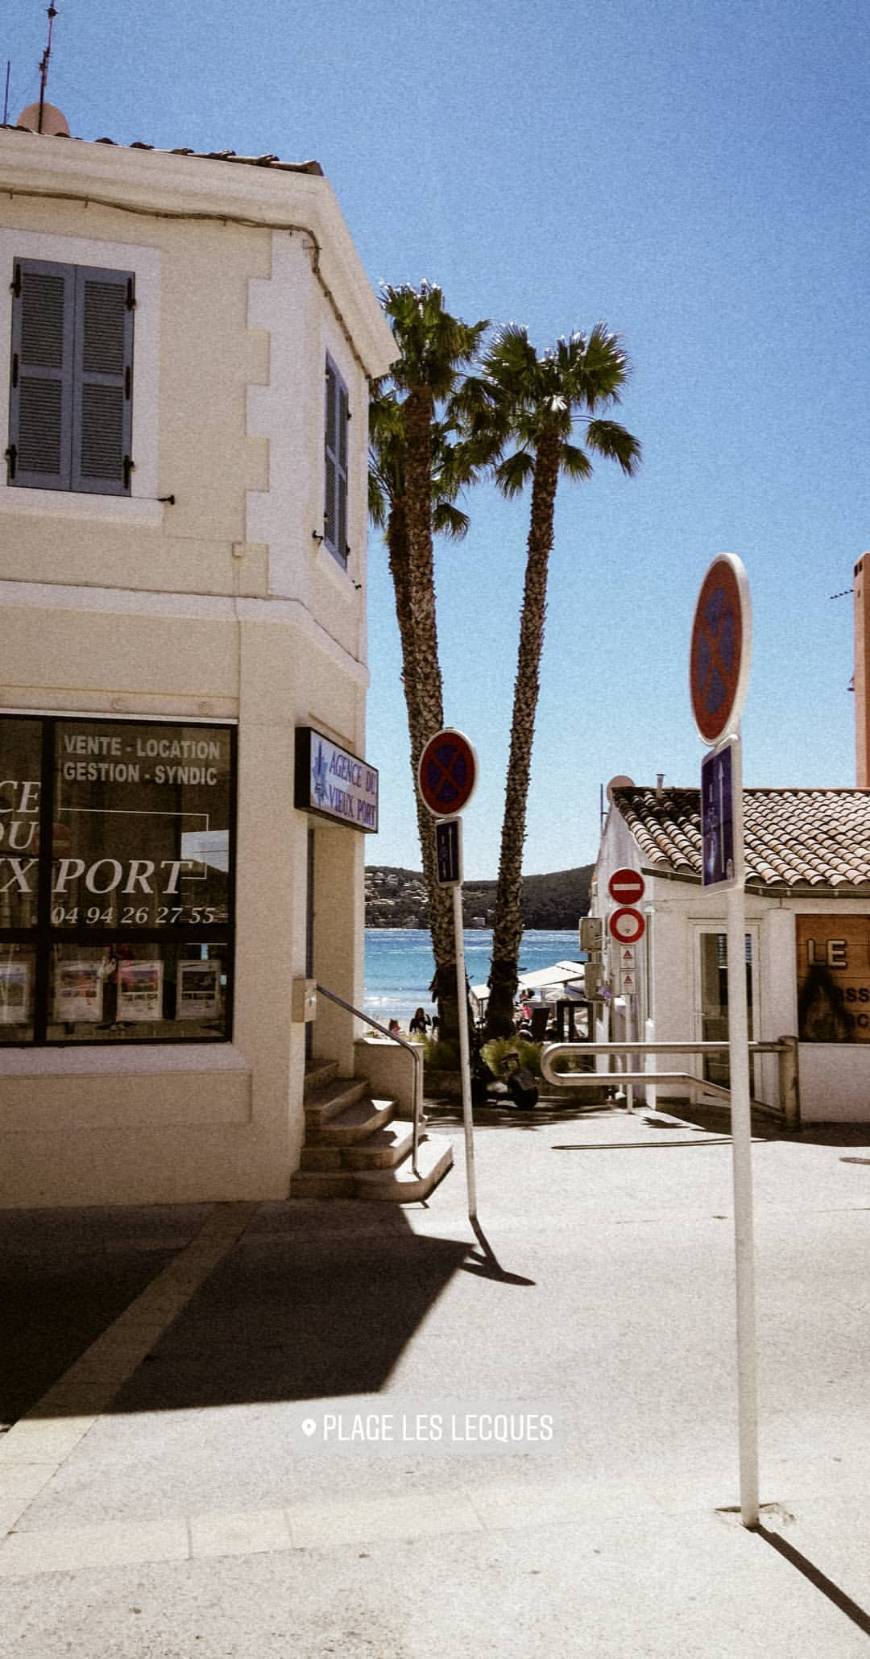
335 783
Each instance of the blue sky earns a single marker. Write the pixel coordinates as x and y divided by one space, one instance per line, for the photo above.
695 174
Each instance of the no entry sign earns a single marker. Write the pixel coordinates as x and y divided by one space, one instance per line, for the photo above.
626 925
447 773
721 640
626 886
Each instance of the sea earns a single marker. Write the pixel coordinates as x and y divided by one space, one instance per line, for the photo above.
400 964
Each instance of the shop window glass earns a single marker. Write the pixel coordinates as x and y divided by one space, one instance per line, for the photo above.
116 881
16 993
20 797
141 825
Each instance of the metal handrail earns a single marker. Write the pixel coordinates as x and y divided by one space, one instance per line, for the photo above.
785 1047
412 1048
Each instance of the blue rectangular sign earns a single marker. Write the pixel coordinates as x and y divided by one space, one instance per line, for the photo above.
448 849
717 818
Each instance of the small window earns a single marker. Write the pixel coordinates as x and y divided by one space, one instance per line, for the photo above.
71 383
335 509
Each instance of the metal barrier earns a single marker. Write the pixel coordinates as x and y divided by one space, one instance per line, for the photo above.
412 1048
786 1048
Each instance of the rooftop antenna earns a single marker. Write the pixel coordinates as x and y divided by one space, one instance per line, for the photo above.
43 67
6 93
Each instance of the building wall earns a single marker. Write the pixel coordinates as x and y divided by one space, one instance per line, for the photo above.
222 606
862 671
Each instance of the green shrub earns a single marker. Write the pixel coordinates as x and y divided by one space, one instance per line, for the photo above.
440 1056
496 1050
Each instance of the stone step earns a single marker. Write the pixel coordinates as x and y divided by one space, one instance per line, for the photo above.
321 1160
359 1120
391 1186
383 1149
310 1184
331 1100
317 1075
401 1185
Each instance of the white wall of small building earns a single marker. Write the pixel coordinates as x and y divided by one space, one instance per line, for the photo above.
834 1077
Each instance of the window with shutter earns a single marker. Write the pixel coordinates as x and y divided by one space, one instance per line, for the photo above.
72 378
335 467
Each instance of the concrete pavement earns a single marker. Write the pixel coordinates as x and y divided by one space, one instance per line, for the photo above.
343 1428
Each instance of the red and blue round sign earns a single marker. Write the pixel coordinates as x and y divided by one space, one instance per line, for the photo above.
447 773
721 638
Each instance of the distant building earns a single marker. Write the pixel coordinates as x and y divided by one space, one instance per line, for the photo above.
807 930
183 582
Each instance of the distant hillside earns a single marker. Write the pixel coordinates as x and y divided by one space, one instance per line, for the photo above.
397 898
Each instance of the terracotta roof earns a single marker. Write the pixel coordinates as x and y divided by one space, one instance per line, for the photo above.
271 161
814 838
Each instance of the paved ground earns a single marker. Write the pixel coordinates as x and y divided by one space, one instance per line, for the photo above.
345 1429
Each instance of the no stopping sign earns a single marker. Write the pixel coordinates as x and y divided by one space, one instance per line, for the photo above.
626 925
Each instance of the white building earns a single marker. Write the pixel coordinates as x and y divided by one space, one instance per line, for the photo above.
182 630
807 927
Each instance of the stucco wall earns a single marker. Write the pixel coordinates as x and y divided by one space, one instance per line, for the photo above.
223 605
834 1077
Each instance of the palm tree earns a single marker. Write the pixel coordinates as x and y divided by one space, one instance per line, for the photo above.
529 405
417 469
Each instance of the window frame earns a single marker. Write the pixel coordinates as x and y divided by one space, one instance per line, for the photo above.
44 934
75 378
141 507
335 457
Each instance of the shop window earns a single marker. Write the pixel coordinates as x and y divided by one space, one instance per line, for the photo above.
335 508
116 880
71 382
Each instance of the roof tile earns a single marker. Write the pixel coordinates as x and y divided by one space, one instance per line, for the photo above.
271 161
792 837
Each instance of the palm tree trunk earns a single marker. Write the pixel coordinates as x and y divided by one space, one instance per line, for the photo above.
423 684
439 907
508 918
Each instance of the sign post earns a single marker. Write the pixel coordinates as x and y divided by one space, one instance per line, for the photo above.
446 777
719 673
626 887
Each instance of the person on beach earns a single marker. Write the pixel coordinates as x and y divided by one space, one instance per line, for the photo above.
394 1028
420 1023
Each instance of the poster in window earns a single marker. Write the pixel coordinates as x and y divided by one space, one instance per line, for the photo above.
833 978
140 990
198 991
14 993
78 991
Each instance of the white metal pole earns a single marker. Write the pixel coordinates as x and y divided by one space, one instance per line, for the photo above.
464 1061
741 1147
630 1059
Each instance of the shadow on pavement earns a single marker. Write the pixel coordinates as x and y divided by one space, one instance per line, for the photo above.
65 1275
816 1577
485 1263
315 1300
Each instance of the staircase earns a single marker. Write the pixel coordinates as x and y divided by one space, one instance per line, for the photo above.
355 1148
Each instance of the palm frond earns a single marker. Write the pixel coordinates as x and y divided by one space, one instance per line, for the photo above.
612 440
574 462
433 345
514 472
449 520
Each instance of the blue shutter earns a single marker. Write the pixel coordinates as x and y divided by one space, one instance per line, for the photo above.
341 480
103 400
41 396
335 510
330 522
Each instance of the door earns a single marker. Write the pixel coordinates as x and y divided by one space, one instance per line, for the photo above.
309 937
711 999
